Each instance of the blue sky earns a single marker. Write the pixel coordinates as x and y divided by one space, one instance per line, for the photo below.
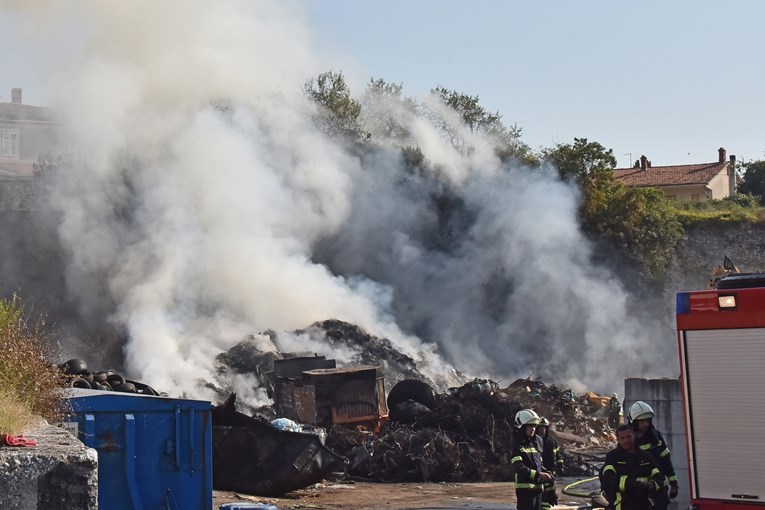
671 80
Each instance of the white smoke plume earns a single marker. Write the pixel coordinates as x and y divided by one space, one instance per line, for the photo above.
204 205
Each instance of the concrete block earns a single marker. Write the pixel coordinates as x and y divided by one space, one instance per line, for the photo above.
59 473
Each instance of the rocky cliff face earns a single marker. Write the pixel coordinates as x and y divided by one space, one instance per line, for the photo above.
704 248
701 250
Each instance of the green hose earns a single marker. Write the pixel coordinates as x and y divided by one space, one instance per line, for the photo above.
567 488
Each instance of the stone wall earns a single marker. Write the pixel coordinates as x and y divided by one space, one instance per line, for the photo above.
59 473
704 247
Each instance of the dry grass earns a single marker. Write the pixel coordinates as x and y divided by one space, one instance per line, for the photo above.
15 415
29 380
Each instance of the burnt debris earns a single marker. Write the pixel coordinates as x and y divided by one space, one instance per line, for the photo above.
250 455
468 435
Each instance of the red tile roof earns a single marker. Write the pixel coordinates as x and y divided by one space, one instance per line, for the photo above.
670 175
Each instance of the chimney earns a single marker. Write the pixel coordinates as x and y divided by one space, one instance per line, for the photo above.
16 96
732 176
721 154
643 162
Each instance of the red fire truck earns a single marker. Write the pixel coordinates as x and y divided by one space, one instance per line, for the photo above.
721 340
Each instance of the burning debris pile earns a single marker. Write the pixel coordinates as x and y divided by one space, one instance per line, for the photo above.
366 349
468 435
252 357
417 434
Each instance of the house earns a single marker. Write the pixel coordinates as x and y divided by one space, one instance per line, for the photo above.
701 181
26 131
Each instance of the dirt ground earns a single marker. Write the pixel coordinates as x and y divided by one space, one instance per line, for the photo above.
396 496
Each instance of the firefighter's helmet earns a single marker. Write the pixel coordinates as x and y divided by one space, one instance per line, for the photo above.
526 417
640 411
544 422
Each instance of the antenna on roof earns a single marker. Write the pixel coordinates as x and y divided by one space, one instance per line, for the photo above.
629 161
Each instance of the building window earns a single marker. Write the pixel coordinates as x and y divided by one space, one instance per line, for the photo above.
694 197
10 143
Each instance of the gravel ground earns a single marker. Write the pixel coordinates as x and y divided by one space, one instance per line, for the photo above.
399 496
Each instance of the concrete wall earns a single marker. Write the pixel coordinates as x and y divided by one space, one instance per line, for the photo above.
60 472
720 185
665 397
687 192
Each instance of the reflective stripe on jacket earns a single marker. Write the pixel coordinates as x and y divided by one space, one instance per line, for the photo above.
527 463
653 443
628 479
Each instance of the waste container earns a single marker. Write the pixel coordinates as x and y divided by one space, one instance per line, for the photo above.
153 452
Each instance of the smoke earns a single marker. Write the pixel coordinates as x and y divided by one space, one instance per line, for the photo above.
203 205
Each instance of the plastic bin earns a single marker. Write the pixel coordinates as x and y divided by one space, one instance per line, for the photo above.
153 452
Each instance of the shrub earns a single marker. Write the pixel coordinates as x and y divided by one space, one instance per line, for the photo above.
29 380
738 208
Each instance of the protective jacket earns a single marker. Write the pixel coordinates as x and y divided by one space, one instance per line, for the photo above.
629 479
527 463
553 463
653 443
551 457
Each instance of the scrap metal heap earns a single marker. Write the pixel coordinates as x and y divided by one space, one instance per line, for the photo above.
468 435
463 434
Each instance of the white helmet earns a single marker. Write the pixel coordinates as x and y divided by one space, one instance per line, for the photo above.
544 422
640 411
526 417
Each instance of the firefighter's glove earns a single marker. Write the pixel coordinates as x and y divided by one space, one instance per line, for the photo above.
673 491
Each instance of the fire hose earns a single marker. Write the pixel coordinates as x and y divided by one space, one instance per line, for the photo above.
596 498
567 489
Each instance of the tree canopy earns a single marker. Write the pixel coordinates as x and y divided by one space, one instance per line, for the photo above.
753 181
636 224
479 121
338 113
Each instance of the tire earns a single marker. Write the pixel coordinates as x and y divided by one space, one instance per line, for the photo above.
79 382
74 366
412 389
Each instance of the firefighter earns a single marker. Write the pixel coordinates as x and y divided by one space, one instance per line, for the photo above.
614 410
530 474
629 475
551 461
649 439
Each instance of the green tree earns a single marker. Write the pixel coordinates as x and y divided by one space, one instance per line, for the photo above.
385 110
753 181
338 113
507 140
581 161
643 226
637 225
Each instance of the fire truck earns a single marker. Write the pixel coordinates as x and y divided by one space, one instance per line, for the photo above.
721 341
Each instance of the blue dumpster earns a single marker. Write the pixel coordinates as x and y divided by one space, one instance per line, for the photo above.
154 453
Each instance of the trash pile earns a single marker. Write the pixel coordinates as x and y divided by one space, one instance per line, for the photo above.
468 435
463 434
254 456
250 357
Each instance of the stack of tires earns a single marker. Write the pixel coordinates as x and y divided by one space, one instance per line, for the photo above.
78 376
